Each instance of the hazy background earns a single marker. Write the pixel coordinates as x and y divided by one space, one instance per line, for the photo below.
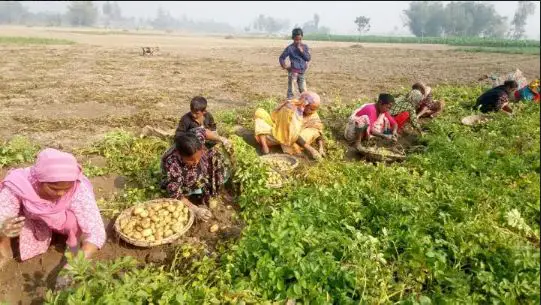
385 17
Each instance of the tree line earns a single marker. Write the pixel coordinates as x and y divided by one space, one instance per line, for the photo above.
465 19
422 18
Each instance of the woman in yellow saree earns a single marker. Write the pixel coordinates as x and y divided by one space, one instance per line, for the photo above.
294 124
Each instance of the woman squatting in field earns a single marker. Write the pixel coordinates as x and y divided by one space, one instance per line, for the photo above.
294 125
53 195
371 120
193 171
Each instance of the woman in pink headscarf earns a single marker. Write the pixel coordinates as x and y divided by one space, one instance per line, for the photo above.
53 195
294 125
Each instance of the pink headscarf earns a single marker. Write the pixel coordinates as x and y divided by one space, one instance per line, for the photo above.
51 166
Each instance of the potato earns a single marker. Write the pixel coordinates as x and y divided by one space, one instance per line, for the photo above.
150 238
171 208
155 218
144 214
137 211
137 235
139 228
168 233
145 225
147 232
176 214
214 228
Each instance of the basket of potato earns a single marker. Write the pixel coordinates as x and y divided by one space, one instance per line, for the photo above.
275 179
281 162
155 222
378 153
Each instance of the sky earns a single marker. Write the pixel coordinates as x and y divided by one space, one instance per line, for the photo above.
385 17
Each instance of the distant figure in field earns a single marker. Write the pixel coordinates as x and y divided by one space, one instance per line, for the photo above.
497 98
299 56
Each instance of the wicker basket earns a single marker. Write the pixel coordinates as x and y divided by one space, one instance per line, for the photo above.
292 161
141 243
383 154
476 119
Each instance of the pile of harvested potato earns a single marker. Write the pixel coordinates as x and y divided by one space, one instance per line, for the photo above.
279 164
155 222
274 178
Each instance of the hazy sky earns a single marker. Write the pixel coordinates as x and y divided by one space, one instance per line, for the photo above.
339 15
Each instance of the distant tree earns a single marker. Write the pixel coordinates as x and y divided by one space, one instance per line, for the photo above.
164 20
82 13
424 18
269 24
471 18
316 21
324 30
111 12
524 10
12 12
363 24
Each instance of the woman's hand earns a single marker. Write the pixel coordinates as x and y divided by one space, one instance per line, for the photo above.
12 226
226 143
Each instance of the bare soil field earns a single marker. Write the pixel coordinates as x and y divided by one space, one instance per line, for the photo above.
69 96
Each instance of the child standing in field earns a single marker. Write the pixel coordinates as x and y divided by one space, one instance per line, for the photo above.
299 56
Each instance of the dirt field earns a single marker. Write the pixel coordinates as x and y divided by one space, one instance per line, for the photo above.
70 95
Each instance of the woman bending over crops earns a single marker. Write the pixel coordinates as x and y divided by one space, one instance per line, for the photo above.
53 195
427 107
404 110
294 124
497 98
372 120
191 169
529 93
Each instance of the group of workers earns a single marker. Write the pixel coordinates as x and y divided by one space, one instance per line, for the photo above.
54 196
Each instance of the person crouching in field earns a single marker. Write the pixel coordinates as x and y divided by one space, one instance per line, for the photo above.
299 56
404 110
529 93
192 171
427 107
294 124
371 120
497 98
198 116
53 195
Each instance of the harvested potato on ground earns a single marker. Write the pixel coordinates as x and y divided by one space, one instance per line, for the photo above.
281 165
274 178
214 228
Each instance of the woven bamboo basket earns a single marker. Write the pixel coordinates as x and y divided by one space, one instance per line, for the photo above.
146 244
378 153
476 119
291 161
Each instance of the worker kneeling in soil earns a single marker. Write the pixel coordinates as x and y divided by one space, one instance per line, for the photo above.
404 109
371 120
191 170
497 98
53 195
427 107
294 124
